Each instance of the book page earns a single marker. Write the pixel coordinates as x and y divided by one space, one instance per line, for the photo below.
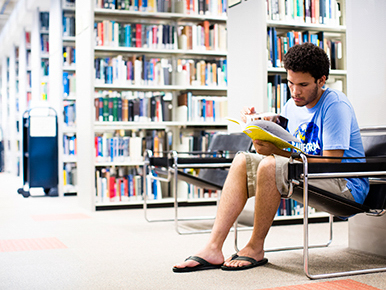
268 131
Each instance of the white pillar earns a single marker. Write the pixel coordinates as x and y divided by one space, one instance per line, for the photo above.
12 110
55 78
4 93
35 58
84 102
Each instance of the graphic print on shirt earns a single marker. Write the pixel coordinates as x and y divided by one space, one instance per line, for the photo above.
308 133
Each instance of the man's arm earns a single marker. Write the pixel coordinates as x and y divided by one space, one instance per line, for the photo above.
267 148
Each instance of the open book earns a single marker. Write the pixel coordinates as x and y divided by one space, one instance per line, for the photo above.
269 131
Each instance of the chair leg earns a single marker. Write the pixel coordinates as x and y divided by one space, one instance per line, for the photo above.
306 241
288 248
177 220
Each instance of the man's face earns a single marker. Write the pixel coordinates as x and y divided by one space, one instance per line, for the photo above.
304 90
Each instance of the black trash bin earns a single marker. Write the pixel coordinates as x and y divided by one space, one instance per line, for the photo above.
40 151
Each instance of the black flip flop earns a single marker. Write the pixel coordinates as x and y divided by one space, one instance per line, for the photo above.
203 265
253 263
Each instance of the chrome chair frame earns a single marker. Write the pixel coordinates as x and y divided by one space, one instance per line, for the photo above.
172 172
305 176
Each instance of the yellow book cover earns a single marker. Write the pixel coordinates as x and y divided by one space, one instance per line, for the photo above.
270 132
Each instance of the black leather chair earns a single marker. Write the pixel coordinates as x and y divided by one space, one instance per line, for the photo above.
373 167
213 165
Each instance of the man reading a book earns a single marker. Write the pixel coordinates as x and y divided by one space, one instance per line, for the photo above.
324 121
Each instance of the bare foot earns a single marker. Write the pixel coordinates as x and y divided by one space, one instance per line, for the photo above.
212 256
247 252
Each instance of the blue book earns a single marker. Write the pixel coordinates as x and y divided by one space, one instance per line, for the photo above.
131 184
275 48
144 6
151 72
225 70
99 149
66 85
290 36
109 75
122 188
214 110
128 35
314 39
203 109
111 141
154 185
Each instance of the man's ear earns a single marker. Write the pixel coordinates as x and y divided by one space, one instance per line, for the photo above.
322 81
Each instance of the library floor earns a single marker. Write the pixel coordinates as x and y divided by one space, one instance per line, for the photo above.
52 243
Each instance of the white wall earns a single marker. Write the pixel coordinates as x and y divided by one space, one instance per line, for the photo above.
366 60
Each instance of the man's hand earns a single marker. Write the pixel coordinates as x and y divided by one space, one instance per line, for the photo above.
267 148
245 112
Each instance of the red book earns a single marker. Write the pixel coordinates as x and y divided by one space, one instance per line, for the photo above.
138 35
126 186
206 33
155 41
112 188
96 145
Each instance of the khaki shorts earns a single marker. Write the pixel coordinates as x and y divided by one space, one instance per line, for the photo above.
333 185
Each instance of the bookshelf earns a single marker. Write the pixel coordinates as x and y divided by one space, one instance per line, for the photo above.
172 62
69 168
249 76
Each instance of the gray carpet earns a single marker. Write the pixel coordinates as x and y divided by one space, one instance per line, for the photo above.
120 250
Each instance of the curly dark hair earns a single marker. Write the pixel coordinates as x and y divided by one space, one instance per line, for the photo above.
307 58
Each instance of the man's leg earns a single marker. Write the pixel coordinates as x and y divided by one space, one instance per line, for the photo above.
232 202
267 202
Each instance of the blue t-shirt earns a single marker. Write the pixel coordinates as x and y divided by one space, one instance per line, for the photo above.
330 125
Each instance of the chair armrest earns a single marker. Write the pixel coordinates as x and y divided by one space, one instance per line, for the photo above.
373 167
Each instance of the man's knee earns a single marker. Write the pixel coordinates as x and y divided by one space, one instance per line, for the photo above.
267 166
239 160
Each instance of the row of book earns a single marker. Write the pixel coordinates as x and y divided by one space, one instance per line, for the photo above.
124 185
69 113
69 145
136 106
44 18
69 56
139 70
110 148
117 34
192 72
44 43
68 24
133 71
203 36
113 147
201 108
195 192
195 141
70 177
68 3
304 11
69 85
201 7
44 91
290 207
278 44
45 67
277 92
